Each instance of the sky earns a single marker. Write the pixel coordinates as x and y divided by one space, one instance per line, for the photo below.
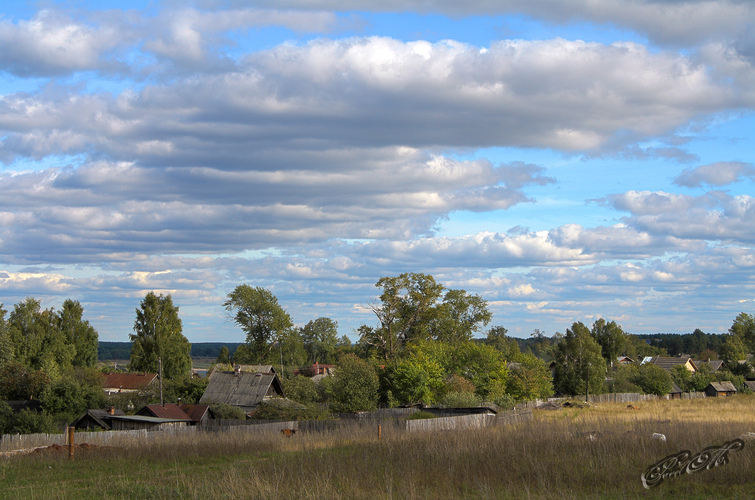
567 160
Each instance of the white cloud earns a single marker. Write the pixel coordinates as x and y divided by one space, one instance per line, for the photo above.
715 174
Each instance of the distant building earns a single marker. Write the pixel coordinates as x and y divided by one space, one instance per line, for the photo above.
668 363
114 383
242 388
720 389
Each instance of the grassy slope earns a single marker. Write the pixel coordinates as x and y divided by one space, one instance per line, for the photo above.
550 457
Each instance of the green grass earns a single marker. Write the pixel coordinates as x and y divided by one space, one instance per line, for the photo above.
550 457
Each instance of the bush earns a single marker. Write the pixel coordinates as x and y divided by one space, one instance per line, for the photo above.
653 379
420 415
355 386
505 402
285 409
461 400
301 389
223 411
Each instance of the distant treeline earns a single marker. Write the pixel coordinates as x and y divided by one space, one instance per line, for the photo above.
122 350
689 343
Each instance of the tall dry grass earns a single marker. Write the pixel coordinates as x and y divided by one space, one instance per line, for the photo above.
597 452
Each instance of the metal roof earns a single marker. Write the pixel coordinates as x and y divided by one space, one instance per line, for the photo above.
142 418
168 410
128 381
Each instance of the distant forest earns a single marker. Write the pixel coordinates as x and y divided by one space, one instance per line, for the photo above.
122 350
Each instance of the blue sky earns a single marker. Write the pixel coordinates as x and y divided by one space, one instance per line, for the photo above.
565 160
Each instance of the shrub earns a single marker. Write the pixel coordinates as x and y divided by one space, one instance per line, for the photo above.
505 402
355 385
461 400
285 409
420 415
301 389
223 411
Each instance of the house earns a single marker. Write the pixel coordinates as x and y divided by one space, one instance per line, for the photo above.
750 384
668 363
315 371
96 419
192 414
624 360
720 389
136 422
714 365
242 388
114 383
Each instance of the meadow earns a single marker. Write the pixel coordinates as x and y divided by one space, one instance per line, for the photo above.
590 452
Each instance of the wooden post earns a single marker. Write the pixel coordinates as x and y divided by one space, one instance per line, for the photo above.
380 432
70 442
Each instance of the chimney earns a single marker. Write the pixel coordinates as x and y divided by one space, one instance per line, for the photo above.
111 410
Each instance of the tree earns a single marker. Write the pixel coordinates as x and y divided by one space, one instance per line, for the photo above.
223 356
653 379
257 312
320 338
611 339
579 359
78 333
497 339
158 335
744 328
6 343
529 379
355 385
460 316
403 311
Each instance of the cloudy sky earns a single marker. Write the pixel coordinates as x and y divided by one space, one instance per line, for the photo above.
565 159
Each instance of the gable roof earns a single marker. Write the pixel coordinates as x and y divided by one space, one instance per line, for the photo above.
196 412
168 410
669 363
715 364
723 386
242 389
128 381
99 417
750 384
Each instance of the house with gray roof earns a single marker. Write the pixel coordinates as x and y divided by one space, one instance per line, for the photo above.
242 388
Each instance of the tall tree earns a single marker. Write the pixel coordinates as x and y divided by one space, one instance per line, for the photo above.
320 338
611 338
78 333
497 339
257 312
460 316
579 360
403 309
6 343
744 327
158 334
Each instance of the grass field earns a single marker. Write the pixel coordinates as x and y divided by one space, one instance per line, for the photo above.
596 452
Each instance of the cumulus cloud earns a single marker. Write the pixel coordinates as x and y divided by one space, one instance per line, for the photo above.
715 174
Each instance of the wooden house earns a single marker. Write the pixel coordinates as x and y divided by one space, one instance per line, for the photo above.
242 388
96 419
668 363
624 360
720 389
675 392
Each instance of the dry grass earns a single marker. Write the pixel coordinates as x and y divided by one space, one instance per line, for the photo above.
595 452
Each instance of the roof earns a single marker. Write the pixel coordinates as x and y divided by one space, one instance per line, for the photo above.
146 419
255 368
750 384
195 411
128 381
101 417
669 363
675 389
242 389
714 364
168 410
723 386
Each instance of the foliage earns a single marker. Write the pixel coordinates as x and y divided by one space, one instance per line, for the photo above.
461 400
78 333
68 397
186 388
301 389
224 411
417 378
653 379
744 328
224 356
257 312
320 338
621 379
283 409
420 415
611 339
505 402
158 335
355 386
459 317
579 359
18 382
530 379
497 339
31 422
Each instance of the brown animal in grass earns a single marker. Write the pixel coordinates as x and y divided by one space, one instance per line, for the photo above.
632 407
288 432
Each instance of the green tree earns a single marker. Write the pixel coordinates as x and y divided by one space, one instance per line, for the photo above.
158 335
320 338
37 338
6 343
529 379
744 328
265 322
611 339
301 389
734 350
653 379
579 359
223 356
417 378
78 333
355 386
460 316
404 310
497 339
20 382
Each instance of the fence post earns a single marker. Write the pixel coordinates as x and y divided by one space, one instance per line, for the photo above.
70 443
380 432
